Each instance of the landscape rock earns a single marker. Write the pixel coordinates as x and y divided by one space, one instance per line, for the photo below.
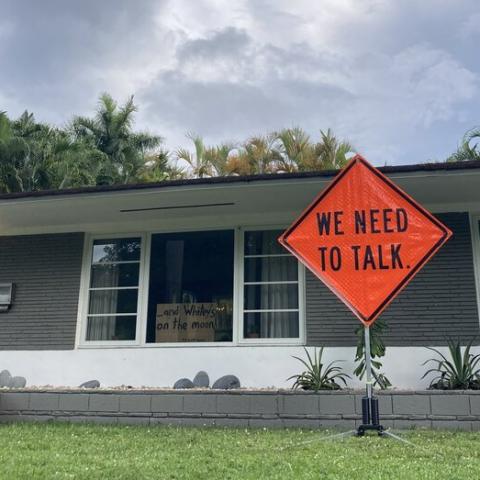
90 384
18 382
201 380
183 383
227 382
5 378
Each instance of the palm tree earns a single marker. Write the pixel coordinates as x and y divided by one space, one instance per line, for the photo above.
222 158
110 132
75 163
295 149
159 167
258 155
25 163
330 153
13 151
197 161
469 148
207 161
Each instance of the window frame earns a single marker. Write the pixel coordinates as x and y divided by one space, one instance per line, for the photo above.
240 268
475 237
85 288
144 342
143 290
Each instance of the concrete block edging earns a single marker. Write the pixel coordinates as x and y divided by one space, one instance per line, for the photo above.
244 408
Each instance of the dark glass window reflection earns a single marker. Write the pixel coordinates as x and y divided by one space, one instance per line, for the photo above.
191 287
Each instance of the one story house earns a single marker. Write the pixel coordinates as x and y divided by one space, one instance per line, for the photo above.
144 284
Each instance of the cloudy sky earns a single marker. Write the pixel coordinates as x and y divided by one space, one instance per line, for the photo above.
399 79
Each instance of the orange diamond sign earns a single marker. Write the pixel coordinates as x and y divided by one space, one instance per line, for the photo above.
364 238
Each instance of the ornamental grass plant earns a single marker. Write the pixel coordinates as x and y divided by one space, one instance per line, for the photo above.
459 372
318 376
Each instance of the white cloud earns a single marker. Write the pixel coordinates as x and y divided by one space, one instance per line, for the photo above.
399 79
226 84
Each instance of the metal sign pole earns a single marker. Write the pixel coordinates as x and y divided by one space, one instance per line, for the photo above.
368 361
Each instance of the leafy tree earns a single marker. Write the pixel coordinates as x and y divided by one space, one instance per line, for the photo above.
105 149
35 156
24 166
110 131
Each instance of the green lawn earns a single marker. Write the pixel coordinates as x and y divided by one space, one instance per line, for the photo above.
121 452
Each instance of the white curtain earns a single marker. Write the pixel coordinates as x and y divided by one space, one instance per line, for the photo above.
274 296
103 301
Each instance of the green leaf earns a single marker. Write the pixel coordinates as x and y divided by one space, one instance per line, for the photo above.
317 376
460 371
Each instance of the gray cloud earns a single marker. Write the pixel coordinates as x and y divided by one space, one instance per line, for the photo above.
399 79
226 43
57 55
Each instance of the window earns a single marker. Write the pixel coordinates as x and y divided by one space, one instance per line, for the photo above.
191 287
270 288
113 290
180 288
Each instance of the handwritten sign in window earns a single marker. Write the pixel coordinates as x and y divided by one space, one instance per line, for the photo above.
188 322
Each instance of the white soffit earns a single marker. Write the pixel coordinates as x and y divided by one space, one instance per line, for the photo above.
191 206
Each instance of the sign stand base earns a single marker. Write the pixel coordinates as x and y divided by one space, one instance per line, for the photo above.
370 410
370 417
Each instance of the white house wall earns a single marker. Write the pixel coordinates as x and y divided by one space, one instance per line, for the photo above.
256 367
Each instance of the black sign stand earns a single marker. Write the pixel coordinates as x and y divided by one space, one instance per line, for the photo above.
370 410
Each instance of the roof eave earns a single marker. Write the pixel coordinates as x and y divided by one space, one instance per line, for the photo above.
442 168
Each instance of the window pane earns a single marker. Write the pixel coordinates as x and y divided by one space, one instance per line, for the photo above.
113 301
271 297
111 328
263 243
115 275
191 287
271 325
116 250
270 269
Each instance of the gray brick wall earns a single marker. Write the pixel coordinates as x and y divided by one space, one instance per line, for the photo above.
439 302
46 272
243 408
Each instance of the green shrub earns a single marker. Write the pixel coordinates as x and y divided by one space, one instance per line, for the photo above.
317 376
460 372
377 350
